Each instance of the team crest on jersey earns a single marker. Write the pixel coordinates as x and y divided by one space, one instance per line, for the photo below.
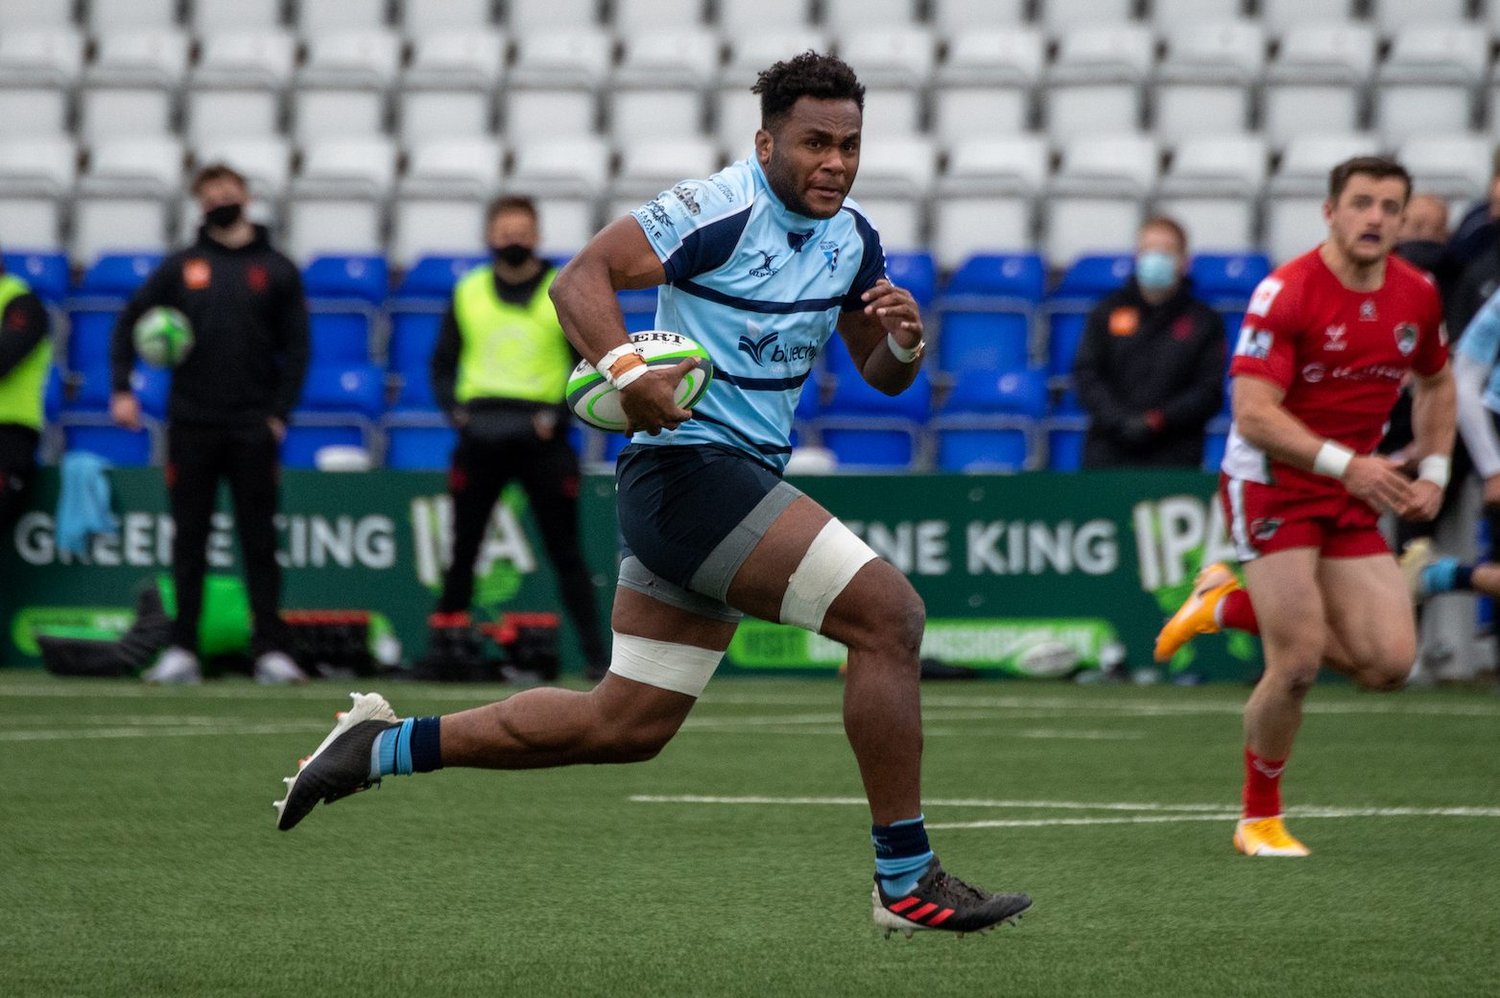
830 250
196 274
1264 528
1367 311
1406 337
1265 293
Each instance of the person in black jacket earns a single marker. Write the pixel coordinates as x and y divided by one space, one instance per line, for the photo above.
25 355
1150 367
227 410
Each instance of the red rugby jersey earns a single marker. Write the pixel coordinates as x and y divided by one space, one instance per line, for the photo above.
1339 355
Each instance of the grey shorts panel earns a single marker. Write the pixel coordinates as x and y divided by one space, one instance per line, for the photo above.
636 576
718 569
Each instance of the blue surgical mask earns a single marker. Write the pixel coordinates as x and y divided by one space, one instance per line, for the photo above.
1155 270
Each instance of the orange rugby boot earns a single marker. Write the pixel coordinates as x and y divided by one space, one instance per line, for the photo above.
1196 615
1266 837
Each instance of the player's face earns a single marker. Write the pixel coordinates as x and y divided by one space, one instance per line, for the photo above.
224 190
514 228
1364 221
811 157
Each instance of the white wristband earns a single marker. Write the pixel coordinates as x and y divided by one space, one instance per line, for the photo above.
1333 459
609 360
904 354
1435 468
630 377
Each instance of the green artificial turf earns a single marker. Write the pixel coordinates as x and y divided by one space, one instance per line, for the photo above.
138 854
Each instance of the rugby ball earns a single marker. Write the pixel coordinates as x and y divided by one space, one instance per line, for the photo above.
163 336
597 402
1046 659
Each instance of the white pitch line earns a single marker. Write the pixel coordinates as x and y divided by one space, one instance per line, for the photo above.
1296 812
85 734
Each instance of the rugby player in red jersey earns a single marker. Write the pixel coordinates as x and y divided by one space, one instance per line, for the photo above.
1327 341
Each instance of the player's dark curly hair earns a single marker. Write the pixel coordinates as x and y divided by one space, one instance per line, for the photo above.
1378 167
810 74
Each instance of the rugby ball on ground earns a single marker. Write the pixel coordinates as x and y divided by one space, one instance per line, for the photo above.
597 402
163 336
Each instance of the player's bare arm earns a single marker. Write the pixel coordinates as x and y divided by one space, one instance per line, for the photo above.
1434 424
618 258
885 337
1266 425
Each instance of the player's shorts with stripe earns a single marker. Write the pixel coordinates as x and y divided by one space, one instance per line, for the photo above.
1264 519
689 517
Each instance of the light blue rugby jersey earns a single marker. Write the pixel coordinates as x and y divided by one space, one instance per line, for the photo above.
1480 343
761 288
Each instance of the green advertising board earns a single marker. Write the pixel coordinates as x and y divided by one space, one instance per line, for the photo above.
1020 573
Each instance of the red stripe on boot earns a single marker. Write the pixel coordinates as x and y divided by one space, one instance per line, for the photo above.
923 911
940 917
904 904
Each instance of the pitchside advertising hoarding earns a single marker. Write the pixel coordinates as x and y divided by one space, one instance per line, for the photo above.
1020 573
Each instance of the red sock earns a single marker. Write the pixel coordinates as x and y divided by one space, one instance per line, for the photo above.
1262 797
1236 613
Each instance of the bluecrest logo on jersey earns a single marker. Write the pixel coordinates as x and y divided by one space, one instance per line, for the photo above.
1406 338
830 250
764 347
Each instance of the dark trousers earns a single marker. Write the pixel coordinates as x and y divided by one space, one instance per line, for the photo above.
17 469
548 471
198 456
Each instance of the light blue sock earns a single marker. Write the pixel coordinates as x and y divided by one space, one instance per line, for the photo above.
901 854
1439 576
391 752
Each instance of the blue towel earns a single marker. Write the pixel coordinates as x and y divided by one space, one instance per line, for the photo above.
83 506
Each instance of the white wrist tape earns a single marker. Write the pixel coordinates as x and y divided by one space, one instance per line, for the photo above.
629 377
1333 459
1435 468
611 358
904 354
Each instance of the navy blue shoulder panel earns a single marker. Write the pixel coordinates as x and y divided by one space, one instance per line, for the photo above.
871 264
707 248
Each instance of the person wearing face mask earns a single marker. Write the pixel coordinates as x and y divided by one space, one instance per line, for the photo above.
1149 369
226 412
499 370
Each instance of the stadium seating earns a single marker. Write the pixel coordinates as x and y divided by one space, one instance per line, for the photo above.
236 89
38 69
37 176
1209 75
447 90
987 314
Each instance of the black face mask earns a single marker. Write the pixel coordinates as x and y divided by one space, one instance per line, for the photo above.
1428 254
224 215
511 254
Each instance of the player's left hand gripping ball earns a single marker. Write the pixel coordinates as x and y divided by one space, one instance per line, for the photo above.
598 403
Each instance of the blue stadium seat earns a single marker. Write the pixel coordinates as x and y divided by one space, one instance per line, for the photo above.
836 360
47 273
419 448
117 275
916 272
1065 443
52 395
152 385
413 336
982 448
871 442
1064 333
1213 445
639 309
340 332
613 444
1095 276
300 449
343 294
1218 276
89 332
415 394
1015 393
988 310
353 389
432 278
852 395
122 448
361 277
810 402
90 390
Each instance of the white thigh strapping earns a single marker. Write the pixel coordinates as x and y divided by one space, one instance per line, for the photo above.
831 561
664 664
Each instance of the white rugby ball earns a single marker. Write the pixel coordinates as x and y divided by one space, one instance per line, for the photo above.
1047 659
597 402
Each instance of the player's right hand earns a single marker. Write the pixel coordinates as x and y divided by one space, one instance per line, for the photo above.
1379 482
649 403
125 410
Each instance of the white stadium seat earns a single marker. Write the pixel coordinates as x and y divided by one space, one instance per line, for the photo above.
566 176
337 204
1213 187
36 179
685 58
239 82
843 16
650 165
448 87
632 15
1062 15
424 17
264 160
1175 13
342 87
439 207
38 69
896 180
889 57
1095 85
115 15
892 111
1396 16
954 16
213 16
736 119
1317 81
1278 15
1293 216
36 13
1429 81
763 15
123 200
526 15
1095 201
532 111
314 16
987 82
661 111
577 57
986 199
1455 166
131 87
1207 79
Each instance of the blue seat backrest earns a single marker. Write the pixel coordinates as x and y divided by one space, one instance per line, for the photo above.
340 337
433 277
982 449
353 388
121 447
423 448
89 332
302 443
873 446
993 340
1015 393
854 396
1065 449
916 272
47 273
413 335
416 393
1064 333
364 277
1228 275
1001 275
117 275
152 385
1095 276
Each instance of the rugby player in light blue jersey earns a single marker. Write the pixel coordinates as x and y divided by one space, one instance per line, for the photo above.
761 264
1476 371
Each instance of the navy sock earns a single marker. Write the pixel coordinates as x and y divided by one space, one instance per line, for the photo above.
413 746
1463 578
901 854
